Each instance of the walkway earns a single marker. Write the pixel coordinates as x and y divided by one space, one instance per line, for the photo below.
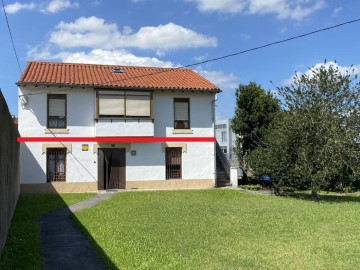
62 244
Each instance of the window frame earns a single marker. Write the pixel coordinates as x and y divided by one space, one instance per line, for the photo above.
125 94
55 96
184 100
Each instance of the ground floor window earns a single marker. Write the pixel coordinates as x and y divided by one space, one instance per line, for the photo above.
56 165
173 162
224 149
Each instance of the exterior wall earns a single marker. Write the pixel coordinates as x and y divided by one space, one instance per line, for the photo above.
149 162
9 170
141 127
230 142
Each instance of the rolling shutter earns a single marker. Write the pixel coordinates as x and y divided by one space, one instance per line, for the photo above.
57 107
111 105
181 111
138 104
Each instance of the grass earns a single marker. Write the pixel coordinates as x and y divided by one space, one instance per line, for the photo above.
22 249
224 229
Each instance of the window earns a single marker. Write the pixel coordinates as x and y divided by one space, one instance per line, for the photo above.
222 129
181 113
124 104
173 162
56 164
56 111
223 136
224 149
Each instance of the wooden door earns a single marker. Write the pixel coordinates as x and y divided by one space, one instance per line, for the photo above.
111 168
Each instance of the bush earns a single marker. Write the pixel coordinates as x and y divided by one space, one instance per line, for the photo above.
251 187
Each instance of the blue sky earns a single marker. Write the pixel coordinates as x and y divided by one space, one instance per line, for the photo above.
172 33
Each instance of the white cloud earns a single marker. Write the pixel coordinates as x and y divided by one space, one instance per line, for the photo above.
58 5
96 3
220 79
225 6
201 58
342 69
54 6
245 37
98 56
336 11
283 9
16 7
94 32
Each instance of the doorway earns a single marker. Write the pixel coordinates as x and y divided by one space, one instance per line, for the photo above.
111 168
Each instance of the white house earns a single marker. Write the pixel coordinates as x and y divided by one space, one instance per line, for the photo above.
225 137
87 127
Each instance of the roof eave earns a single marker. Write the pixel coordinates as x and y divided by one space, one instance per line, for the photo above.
211 90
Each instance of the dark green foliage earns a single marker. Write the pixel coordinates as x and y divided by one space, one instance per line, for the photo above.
251 187
315 143
255 109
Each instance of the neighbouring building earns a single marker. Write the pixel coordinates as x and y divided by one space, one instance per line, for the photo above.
87 127
225 137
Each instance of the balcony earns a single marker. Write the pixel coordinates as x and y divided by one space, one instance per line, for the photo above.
124 127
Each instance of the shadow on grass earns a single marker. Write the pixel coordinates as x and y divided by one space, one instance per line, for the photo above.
105 258
324 198
24 248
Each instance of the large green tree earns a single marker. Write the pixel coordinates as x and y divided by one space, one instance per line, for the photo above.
255 108
316 140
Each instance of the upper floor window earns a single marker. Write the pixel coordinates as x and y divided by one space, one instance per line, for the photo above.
181 113
56 111
124 104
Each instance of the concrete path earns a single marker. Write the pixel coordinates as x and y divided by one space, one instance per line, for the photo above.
63 245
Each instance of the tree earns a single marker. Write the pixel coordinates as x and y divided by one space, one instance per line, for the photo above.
254 111
316 140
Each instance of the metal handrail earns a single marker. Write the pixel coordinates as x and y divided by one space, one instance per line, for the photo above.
225 162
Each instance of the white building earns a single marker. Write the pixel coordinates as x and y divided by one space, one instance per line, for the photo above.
86 127
225 137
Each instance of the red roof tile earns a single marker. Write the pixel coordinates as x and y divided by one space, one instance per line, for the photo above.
131 77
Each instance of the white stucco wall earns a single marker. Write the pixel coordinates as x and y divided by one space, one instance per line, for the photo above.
148 164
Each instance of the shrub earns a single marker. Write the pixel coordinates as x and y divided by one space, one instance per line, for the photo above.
251 187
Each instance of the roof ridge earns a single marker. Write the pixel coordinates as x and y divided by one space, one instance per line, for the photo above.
104 65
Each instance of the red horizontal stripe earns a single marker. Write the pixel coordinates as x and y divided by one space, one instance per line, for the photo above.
116 139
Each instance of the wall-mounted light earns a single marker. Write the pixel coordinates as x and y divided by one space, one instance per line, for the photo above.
23 100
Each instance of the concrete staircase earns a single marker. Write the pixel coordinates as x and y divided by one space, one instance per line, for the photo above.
222 178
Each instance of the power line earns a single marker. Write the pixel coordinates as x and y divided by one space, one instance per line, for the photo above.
272 43
232 54
12 40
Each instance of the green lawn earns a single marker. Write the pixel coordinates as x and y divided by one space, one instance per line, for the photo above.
224 229
22 250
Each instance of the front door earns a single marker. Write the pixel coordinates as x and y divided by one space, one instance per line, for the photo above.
111 168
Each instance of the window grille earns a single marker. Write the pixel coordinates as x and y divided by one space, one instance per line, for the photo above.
173 162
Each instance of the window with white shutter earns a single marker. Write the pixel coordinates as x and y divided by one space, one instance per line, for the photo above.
181 113
111 104
138 104
56 111
124 104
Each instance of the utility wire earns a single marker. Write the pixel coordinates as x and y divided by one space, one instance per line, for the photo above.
272 43
230 55
11 37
